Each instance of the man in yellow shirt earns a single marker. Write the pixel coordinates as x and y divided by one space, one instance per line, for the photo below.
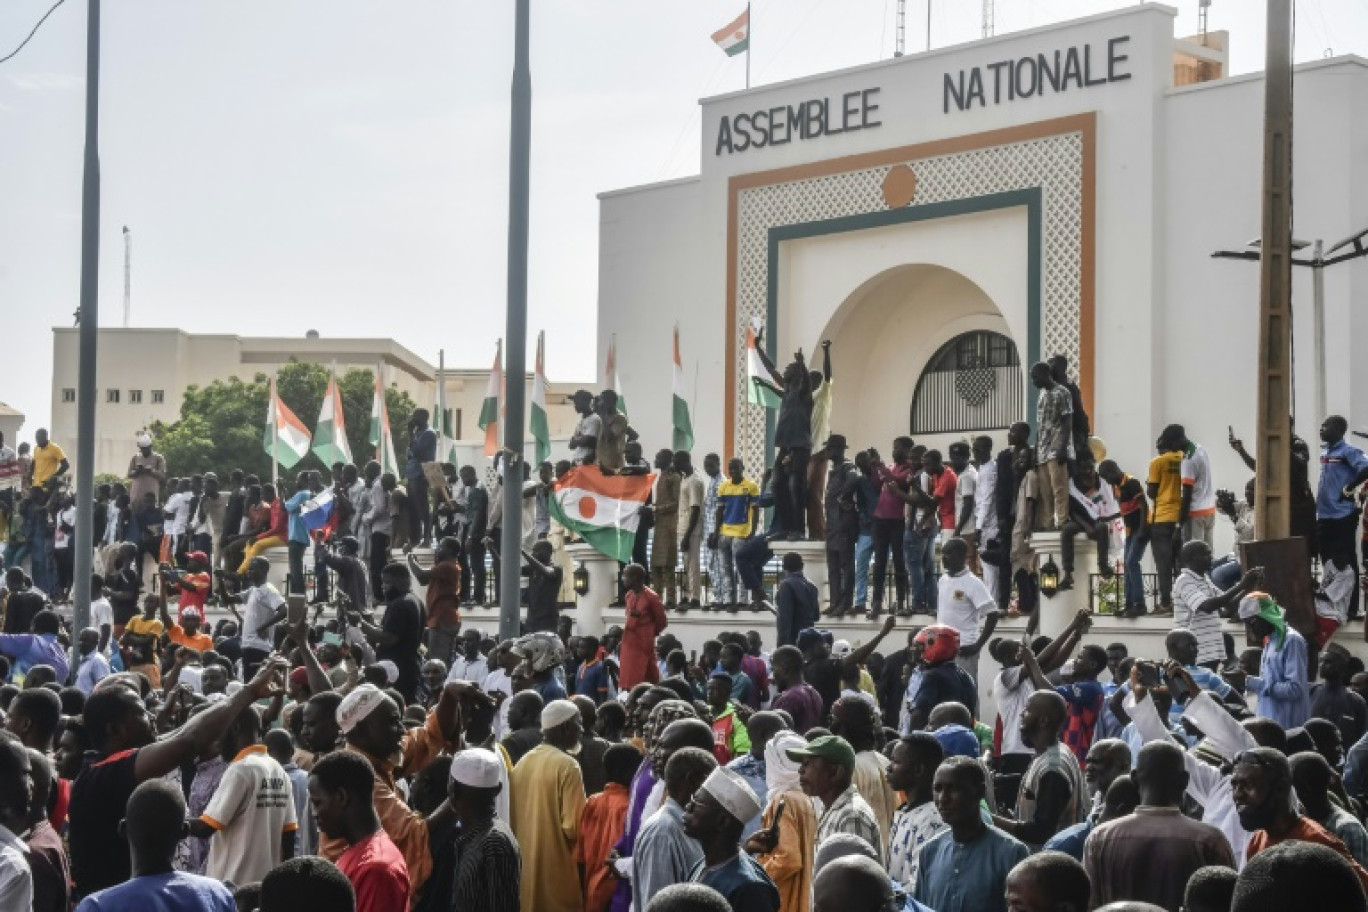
547 795
737 514
1165 489
49 461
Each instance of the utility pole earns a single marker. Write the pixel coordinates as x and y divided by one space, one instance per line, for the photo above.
520 141
900 30
988 16
1272 516
128 275
89 336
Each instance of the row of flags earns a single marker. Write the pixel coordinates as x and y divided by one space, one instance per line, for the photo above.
287 440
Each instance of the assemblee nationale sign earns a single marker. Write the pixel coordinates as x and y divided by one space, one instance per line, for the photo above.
1033 75
1029 76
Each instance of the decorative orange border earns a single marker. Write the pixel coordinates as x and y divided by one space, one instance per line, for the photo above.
1086 124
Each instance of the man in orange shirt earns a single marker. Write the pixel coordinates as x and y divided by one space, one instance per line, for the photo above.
601 825
443 584
1261 787
645 620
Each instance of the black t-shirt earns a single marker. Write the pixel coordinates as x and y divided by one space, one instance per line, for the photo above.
20 609
99 797
543 600
404 619
946 683
825 677
124 587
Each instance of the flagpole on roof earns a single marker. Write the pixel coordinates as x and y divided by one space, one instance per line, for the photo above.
274 418
750 34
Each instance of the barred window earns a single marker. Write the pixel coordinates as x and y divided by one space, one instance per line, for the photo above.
974 382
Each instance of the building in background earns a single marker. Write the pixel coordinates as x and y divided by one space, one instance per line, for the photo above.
11 420
142 376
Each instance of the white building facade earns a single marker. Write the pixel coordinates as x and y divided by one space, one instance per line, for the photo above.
948 218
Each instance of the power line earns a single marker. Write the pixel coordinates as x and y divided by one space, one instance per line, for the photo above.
11 54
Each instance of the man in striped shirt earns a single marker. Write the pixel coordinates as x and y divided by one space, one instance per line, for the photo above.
1198 602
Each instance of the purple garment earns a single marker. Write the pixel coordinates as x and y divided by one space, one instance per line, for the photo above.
642 782
804 703
196 849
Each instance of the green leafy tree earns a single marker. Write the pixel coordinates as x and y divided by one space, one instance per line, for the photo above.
221 425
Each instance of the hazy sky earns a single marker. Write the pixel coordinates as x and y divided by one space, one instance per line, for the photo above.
340 165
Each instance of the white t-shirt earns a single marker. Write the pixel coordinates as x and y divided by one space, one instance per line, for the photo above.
101 613
985 505
1196 469
1011 689
473 670
498 681
964 493
964 602
590 425
262 603
178 505
61 538
252 808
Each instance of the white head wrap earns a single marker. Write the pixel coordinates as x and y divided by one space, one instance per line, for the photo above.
144 440
781 773
391 670
732 792
358 704
556 713
840 649
477 768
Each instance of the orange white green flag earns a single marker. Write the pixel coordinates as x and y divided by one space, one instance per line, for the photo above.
330 434
536 421
489 410
734 37
380 436
683 425
603 509
286 439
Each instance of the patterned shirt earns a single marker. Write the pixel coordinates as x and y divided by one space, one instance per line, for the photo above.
1054 759
912 829
752 769
851 814
710 506
1054 428
488 869
1344 825
1189 591
1084 700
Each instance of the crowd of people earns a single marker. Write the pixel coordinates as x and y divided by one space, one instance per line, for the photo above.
385 754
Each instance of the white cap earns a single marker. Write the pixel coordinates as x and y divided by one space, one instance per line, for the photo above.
557 712
144 439
733 793
477 768
391 670
357 705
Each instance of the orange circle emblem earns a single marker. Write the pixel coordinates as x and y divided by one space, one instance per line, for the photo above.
587 507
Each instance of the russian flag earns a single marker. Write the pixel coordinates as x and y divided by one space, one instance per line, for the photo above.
317 510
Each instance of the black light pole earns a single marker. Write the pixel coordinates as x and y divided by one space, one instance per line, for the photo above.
516 332
90 322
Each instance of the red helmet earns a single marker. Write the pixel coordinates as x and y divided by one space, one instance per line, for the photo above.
940 643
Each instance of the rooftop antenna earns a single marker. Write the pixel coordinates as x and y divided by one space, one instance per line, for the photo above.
988 18
1202 7
128 275
900 42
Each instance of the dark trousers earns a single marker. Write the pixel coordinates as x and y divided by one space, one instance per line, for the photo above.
797 490
840 558
251 661
465 574
888 535
379 556
297 550
1164 547
751 556
1338 541
320 574
419 498
1066 544
475 554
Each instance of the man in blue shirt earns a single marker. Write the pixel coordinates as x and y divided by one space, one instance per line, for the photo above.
1343 468
714 818
37 648
422 448
1284 695
965 868
299 531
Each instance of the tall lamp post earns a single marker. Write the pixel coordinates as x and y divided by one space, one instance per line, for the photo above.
90 321
1354 247
520 140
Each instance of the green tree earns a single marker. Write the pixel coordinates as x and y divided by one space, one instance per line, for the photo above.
221 425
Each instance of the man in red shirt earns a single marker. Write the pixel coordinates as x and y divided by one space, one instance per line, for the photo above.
645 621
931 507
277 534
443 583
340 790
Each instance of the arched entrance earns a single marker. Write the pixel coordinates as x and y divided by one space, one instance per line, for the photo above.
921 336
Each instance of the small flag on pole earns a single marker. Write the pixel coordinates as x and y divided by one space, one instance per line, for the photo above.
734 38
759 390
380 436
611 378
541 431
683 426
489 411
330 436
441 422
286 439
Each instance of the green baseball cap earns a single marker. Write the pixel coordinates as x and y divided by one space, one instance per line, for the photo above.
832 748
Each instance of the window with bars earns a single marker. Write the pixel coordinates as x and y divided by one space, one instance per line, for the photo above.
135 396
974 383
158 397
69 394
112 396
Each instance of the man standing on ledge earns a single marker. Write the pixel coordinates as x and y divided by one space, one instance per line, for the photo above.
1054 444
1343 468
422 448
